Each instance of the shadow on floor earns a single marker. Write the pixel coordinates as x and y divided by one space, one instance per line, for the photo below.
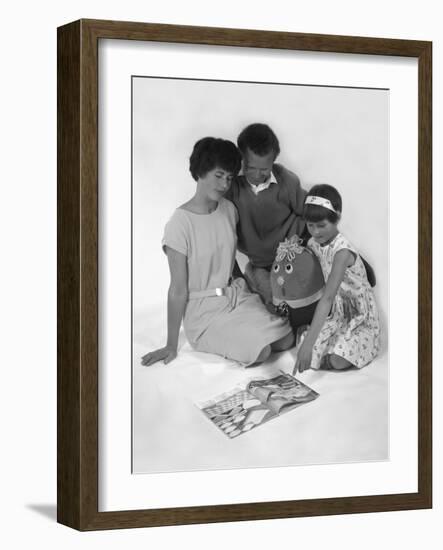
47 510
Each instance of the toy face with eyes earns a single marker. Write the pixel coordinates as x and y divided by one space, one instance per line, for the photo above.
296 275
280 275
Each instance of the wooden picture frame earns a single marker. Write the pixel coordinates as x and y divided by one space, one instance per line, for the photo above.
77 455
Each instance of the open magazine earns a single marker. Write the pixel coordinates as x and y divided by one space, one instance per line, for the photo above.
254 403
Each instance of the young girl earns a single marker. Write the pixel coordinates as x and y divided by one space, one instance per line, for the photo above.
345 329
219 315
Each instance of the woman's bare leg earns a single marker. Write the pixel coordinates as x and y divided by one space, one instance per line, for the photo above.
280 345
284 343
264 354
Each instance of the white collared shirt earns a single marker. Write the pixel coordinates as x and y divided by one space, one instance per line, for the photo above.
261 186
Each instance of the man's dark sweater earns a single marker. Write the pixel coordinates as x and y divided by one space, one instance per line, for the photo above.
268 218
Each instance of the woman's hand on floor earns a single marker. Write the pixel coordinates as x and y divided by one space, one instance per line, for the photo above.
167 354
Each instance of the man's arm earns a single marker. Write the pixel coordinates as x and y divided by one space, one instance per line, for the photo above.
297 197
297 194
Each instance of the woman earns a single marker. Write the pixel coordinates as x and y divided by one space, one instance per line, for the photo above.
220 315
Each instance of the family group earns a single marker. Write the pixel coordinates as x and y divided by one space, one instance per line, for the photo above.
245 201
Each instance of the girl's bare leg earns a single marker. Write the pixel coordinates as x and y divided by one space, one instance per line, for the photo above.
339 363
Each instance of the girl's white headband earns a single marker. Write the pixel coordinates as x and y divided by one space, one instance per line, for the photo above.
320 201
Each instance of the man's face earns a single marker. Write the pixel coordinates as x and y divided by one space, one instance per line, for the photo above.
257 169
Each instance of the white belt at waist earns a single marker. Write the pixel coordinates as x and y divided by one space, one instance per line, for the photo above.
219 291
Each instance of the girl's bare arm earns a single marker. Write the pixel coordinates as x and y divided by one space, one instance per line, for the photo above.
342 260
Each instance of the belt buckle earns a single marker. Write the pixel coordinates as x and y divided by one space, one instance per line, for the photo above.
219 291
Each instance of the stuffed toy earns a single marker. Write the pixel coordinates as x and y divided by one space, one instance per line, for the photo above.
297 282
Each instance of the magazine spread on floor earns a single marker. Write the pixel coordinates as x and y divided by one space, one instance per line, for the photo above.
255 402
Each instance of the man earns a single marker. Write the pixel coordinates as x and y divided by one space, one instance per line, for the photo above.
269 200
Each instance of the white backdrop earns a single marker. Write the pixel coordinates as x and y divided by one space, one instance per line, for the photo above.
327 135
28 276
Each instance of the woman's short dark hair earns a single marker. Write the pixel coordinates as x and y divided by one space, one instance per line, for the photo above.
315 213
210 153
260 139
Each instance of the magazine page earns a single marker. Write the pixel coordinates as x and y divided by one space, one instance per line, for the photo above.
255 402
281 392
235 412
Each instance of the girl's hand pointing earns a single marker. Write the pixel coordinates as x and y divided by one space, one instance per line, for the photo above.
304 358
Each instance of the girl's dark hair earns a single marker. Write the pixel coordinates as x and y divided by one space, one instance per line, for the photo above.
210 153
315 213
260 139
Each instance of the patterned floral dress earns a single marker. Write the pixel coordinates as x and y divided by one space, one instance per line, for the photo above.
352 329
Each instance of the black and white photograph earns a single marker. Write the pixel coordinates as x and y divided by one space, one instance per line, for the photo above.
193 194
260 249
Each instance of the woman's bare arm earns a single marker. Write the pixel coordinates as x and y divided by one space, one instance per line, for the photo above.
177 294
177 299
